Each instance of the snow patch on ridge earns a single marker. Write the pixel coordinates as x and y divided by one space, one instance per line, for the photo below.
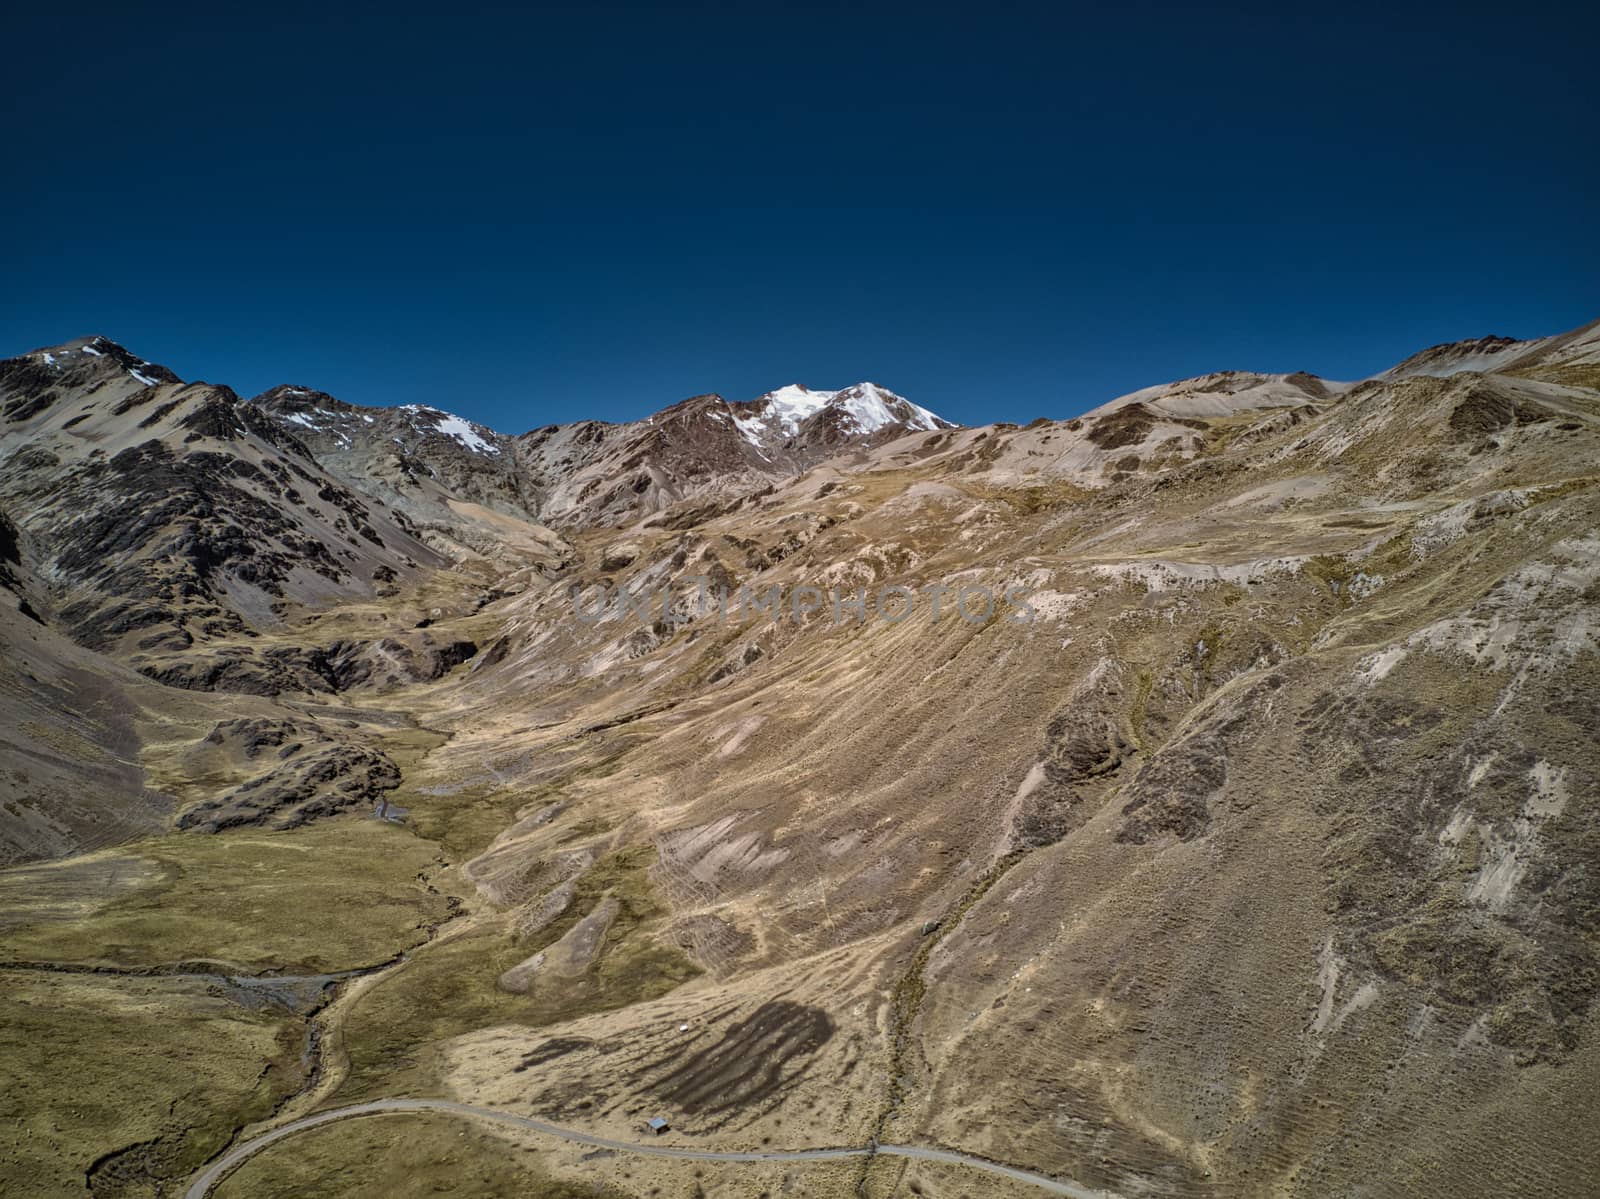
795 403
751 429
462 431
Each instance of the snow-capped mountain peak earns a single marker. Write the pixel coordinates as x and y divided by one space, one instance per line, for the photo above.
104 354
874 407
798 413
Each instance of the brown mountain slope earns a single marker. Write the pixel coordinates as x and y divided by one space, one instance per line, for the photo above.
1271 829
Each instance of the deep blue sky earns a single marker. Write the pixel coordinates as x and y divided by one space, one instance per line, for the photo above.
1000 210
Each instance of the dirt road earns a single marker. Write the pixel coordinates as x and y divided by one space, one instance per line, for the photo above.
201 1187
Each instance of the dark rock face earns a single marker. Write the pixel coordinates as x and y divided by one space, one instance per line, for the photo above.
1127 425
13 576
29 388
1308 383
151 525
407 658
1173 792
1486 409
239 670
10 551
216 417
1086 742
174 512
319 779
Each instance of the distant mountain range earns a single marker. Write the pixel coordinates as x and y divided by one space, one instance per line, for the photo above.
296 494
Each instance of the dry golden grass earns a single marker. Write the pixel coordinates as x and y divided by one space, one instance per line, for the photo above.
334 896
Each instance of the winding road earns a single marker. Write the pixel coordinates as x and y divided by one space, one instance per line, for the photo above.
201 1187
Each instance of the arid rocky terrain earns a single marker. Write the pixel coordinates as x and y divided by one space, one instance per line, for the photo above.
1249 844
